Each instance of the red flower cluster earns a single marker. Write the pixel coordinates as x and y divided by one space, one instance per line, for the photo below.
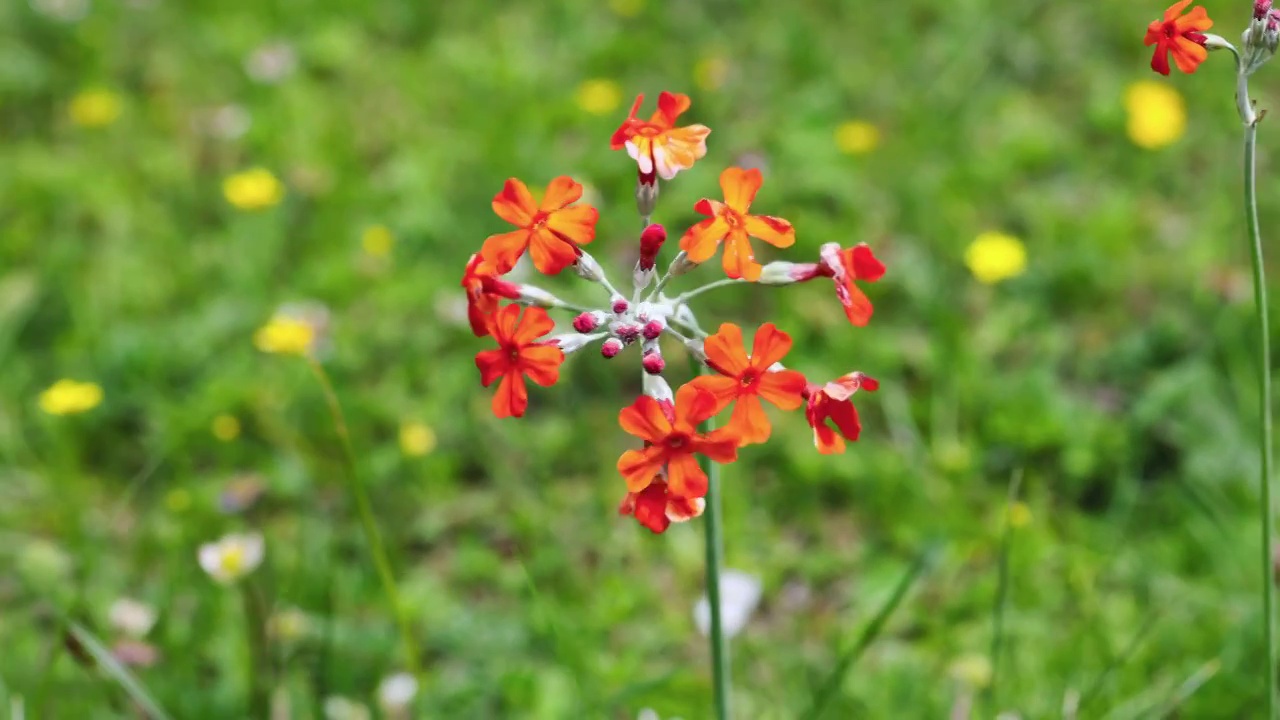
665 482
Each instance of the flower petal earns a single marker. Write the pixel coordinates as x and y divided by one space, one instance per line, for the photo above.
576 224
684 478
505 323
651 507
541 363
639 467
515 203
726 350
550 253
504 249
644 419
724 389
783 388
693 406
1197 19
628 127
740 187
749 421
534 324
561 192
701 240
671 106
862 262
739 260
492 364
720 446
1188 54
512 398
770 346
857 307
845 417
773 230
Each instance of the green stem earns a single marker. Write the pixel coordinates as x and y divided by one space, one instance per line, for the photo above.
367 522
1264 382
685 297
715 560
1002 587
259 666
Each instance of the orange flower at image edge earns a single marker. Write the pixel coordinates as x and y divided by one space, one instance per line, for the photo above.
747 379
658 146
1182 37
729 222
671 442
518 355
550 231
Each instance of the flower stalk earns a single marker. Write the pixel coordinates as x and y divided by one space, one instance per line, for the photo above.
714 534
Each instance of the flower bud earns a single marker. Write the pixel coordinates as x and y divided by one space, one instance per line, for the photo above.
627 332
652 330
657 388
652 360
587 268
651 241
572 342
696 349
619 304
537 297
646 194
786 273
588 321
611 347
681 264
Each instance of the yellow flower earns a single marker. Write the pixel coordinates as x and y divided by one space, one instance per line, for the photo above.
1019 515
417 439
857 137
710 73
231 557
69 397
289 625
253 189
285 336
226 427
377 240
599 96
627 8
994 256
94 108
1157 115
973 670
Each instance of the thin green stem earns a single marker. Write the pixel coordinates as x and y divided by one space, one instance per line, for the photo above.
367 521
685 297
715 560
1002 586
1264 382
258 668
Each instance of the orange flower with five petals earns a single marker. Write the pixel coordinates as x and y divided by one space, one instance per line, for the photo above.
747 378
1179 35
519 355
657 145
729 222
550 231
671 441
834 402
484 288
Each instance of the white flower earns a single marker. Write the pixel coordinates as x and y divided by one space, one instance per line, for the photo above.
396 692
337 707
231 557
131 617
272 62
739 594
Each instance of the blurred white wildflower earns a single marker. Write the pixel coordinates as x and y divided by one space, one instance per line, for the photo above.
337 707
396 692
131 617
135 653
739 595
272 62
229 122
67 11
289 625
232 557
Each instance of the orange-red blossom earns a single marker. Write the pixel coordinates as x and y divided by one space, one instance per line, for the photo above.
657 145
671 441
729 222
550 231
745 379
1179 35
519 355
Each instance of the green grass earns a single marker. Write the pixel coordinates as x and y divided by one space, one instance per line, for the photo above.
1116 372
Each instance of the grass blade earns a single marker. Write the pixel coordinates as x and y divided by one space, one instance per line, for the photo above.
868 635
116 670
1002 585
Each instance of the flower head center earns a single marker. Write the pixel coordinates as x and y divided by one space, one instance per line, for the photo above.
732 219
748 378
677 441
539 221
513 354
649 130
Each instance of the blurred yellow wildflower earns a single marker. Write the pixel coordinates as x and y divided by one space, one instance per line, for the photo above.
231 557
377 240
973 670
994 256
69 397
1157 115
285 336
1019 515
599 96
289 625
177 500
710 73
254 189
857 137
94 108
226 427
627 8
417 439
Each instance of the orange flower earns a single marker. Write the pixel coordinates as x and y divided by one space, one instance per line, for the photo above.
658 145
518 354
849 264
483 288
550 231
671 437
656 508
833 401
747 379
1180 36
729 221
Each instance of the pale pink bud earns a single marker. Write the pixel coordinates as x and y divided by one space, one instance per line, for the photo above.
611 347
572 342
786 273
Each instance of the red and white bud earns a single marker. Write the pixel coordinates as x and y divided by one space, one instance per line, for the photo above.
651 358
537 297
619 304
627 332
651 241
589 321
652 330
587 268
611 347
681 264
572 342
646 194
786 273
656 387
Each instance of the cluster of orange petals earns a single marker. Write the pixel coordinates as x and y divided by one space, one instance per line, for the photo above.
672 438
551 231
1179 35
519 355
657 145
730 223
745 380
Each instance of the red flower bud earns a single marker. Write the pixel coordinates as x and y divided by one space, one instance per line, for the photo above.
650 243
627 333
620 305
611 347
652 330
586 322
653 363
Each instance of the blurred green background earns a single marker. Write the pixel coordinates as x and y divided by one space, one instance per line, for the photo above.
1115 373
